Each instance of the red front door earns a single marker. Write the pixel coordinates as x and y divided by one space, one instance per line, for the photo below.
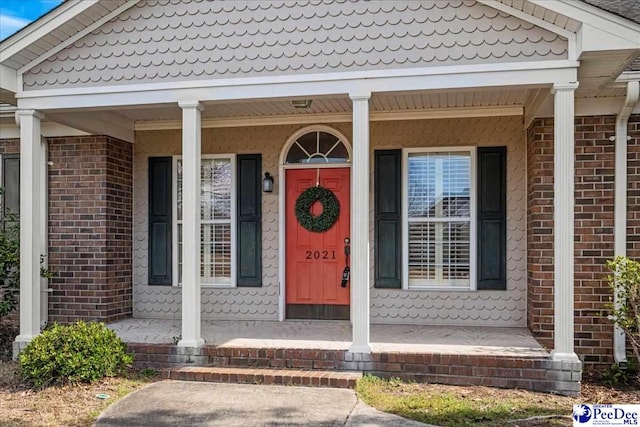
315 261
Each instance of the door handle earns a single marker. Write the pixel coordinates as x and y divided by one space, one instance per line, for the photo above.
345 276
346 273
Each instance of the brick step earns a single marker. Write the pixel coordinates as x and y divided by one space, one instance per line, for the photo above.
240 375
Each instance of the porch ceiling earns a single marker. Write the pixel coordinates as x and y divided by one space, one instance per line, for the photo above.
396 102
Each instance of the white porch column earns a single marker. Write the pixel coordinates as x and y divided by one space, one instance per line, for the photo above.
30 223
191 152
563 218
360 224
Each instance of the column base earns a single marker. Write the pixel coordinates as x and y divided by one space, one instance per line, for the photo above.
360 348
569 357
197 343
20 343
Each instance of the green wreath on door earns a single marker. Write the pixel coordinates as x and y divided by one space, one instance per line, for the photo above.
330 209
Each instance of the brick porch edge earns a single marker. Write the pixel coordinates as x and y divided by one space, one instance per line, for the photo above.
531 373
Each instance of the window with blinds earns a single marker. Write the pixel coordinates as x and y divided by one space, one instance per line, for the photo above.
217 213
439 219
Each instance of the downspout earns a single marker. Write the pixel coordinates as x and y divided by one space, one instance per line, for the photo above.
620 228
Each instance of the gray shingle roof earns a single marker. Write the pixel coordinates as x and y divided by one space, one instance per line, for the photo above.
629 9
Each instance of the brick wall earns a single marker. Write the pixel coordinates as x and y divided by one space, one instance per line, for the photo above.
594 230
633 186
90 228
9 146
540 231
594 223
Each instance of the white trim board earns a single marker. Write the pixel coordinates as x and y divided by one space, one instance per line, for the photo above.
446 77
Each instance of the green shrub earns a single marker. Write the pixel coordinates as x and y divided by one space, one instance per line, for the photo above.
9 259
615 376
625 313
83 352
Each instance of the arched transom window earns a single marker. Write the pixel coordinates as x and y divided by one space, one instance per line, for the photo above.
317 147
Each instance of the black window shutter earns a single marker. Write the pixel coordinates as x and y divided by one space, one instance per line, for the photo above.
249 217
160 225
492 218
388 218
11 182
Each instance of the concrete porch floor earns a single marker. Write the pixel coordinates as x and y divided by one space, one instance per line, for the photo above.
336 335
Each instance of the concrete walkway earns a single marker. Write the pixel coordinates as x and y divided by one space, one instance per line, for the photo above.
178 403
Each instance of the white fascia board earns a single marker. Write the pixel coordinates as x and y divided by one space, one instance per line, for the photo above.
618 30
476 76
43 26
8 79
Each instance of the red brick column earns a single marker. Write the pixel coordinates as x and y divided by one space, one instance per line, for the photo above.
90 228
594 237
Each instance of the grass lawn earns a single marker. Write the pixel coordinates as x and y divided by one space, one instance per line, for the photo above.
70 405
481 406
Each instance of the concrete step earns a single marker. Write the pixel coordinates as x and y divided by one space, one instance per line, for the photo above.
246 375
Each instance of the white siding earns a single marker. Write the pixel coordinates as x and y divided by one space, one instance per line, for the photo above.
498 308
239 303
178 40
487 308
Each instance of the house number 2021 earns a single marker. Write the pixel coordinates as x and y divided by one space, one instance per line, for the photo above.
321 254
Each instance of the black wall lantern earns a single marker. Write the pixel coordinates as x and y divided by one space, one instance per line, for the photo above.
267 183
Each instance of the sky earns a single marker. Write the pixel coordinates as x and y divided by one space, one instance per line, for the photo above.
15 14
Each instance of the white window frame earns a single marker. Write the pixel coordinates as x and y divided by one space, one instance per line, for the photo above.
174 212
405 219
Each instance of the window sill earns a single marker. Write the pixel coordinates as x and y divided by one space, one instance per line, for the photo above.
438 289
212 286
